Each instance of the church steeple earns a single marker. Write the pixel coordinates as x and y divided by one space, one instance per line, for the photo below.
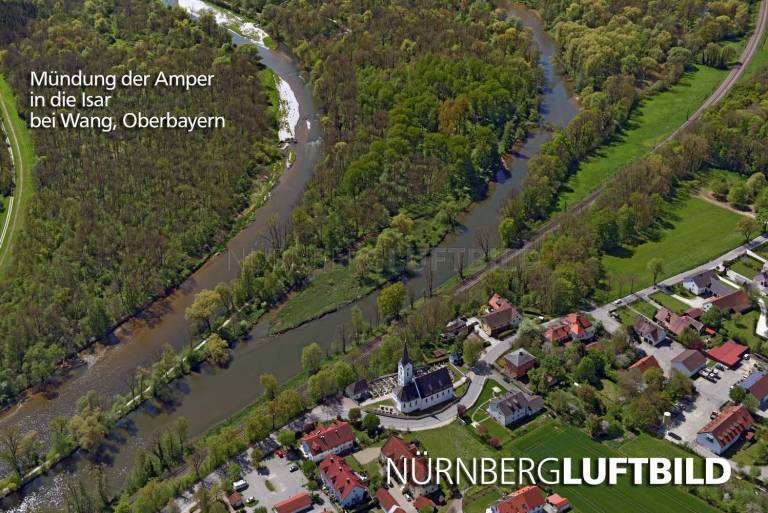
404 368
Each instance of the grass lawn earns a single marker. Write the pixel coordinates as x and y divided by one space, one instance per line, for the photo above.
650 123
478 502
665 300
747 266
742 329
453 441
559 441
692 232
23 161
645 308
626 316
485 395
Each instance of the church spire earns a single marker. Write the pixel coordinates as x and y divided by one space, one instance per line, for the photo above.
405 358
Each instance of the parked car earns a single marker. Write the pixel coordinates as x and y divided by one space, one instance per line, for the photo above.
240 485
674 435
293 468
280 453
746 356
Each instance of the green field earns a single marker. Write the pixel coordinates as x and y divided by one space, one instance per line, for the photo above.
747 266
693 232
559 441
453 441
485 395
23 161
649 124
670 303
742 329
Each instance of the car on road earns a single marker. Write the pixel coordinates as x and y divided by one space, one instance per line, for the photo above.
618 302
674 435
293 468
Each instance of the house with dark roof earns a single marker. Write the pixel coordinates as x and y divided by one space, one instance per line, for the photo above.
701 282
677 324
649 332
528 499
729 353
725 429
645 363
345 486
402 454
499 321
334 438
736 302
421 392
689 362
357 390
518 363
514 407
757 385
761 282
297 503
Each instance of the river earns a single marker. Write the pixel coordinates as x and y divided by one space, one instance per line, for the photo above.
210 396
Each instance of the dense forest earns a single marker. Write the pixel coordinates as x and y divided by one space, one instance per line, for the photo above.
652 42
119 217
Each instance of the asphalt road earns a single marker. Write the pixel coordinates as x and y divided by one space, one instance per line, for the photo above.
721 92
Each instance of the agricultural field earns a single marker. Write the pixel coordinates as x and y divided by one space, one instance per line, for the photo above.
693 232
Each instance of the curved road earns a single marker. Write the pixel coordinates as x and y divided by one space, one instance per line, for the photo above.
15 205
721 92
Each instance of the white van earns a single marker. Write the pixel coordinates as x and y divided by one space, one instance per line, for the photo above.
240 485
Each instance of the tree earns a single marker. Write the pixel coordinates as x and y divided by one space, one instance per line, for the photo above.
286 438
586 371
311 357
204 308
344 373
654 379
391 299
88 427
713 318
269 383
354 415
738 195
747 227
18 450
471 350
656 267
679 386
737 394
218 350
371 422
483 239
508 232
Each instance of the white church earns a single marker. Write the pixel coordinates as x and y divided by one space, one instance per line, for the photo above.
422 392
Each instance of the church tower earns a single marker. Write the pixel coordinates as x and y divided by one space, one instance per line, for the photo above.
404 368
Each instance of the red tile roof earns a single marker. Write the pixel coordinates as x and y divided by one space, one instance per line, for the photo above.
235 499
498 302
729 425
645 363
578 323
736 301
298 502
386 501
675 323
558 501
522 501
327 437
558 334
423 502
399 451
729 353
340 476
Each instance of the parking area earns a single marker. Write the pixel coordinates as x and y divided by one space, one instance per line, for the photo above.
284 484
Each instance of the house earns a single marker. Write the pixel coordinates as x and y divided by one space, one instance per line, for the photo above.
726 429
357 390
528 499
424 504
677 324
579 326
387 502
757 385
761 282
645 363
700 283
401 453
728 353
558 335
558 503
649 332
334 438
689 362
455 358
422 392
514 406
345 486
235 500
498 302
455 328
736 302
499 321
295 504
518 363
